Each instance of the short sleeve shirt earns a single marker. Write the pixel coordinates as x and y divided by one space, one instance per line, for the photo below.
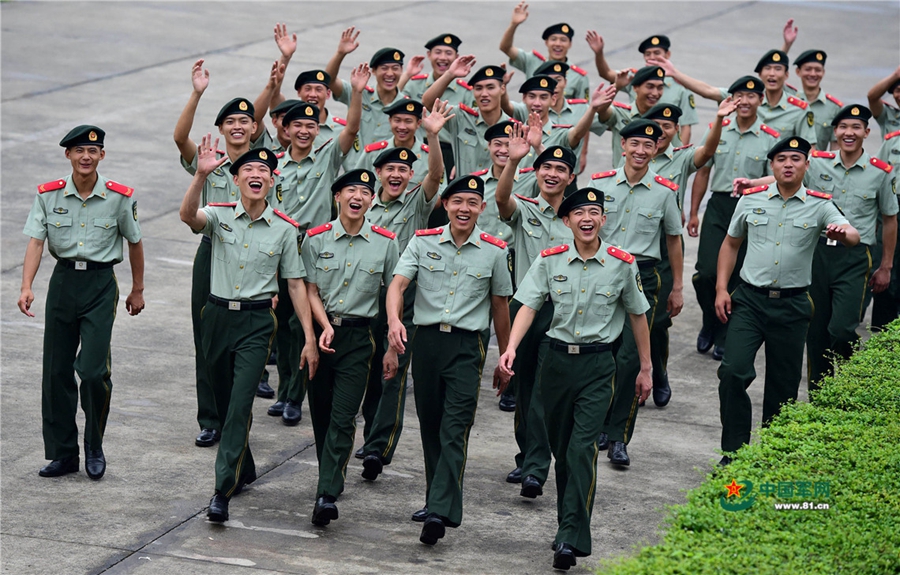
305 186
740 155
403 216
824 110
577 83
219 185
677 95
466 130
375 124
788 118
889 119
676 165
536 227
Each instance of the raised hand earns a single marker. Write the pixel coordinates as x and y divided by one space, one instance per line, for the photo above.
520 13
199 76
207 162
623 78
276 74
348 41
726 108
440 113
287 43
518 145
359 77
739 185
603 96
414 66
462 66
790 32
508 75
595 41
666 65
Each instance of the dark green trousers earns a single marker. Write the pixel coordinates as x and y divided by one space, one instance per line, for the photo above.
80 309
577 391
713 230
619 424
289 341
385 400
659 331
840 279
446 368
756 319
236 345
530 431
335 394
886 305
207 416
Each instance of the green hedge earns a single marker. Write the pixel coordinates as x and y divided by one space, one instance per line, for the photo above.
847 439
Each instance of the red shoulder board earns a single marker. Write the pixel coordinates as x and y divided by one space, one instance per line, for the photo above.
577 101
725 122
835 100
892 135
286 218
601 175
822 154
555 250
684 147
377 146
425 148
526 170
817 194
797 102
771 131
465 108
340 121
492 240
578 70
562 125
370 90
419 77
222 204
539 55
762 188
667 183
318 230
791 87
621 105
430 232
50 186
875 162
463 83
527 199
381 231
276 172
279 155
620 254
117 187
479 172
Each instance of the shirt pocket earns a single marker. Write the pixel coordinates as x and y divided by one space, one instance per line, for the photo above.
647 221
327 274
532 229
59 230
103 232
756 228
467 140
478 282
430 276
754 167
563 300
605 300
268 258
864 203
803 233
223 245
368 278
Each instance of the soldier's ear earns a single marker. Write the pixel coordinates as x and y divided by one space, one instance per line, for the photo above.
103 152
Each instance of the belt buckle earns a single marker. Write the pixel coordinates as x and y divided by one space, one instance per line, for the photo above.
830 242
336 321
574 349
774 294
446 328
80 265
234 305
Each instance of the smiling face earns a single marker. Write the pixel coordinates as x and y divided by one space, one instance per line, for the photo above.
789 168
394 178
896 95
487 94
811 74
656 54
560 91
773 76
538 101
313 93
499 150
463 209
404 126
237 129
441 57
585 222
850 134
747 104
558 45
648 94
254 179
353 202
638 152
669 129
553 177
387 75
302 133
84 159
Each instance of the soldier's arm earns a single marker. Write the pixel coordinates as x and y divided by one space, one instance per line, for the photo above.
643 383
358 79
595 41
460 68
182 136
790 36
708 149
264 100
600 100
300 300
881 278
134 303
433 124
519 15
518 149
412 68
347 44
698 190
724 268
878 90
33 253
696 86
394 308
190 211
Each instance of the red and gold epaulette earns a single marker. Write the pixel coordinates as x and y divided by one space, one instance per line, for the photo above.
797 102
425 148
725 122
620 254
540 56
761 188
601 175
577 101
526 170
222 204
562 125
465 108
667 183
771 131
527 199
463 83
878 164
892 135
374 147
318 230
684 147
430 232
279 155
578 70
622 105
822 154
370 89
316 151
480 172
419 77
276 172
381 231
492 240
50 186
554 250
340 121
834 100
818 194
119 188
286 218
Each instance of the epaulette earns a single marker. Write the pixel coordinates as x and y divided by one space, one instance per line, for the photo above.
277 172
620 254
50 186
834 100
279 155
527 199
419 77
771 131
340 121
526 170
463 83
892 135
562 125
425 148
430 232
725 122
416 187
480 172
667 183
374 147
684 147
794 88
492 240
797 102
822 154
881 164
578 70
554 250
817 194
577 101
222 204
601 175
383 232
316 151
370 89
318 230
539 55
465 108
761 188
621 105
286 218
117 187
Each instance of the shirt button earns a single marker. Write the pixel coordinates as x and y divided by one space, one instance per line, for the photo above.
446 311
738 153
478 275
630 191
82 224
351 244
242 267
340 301
558 291
608 293
579 312
805 226
451 293
577 333
585 269
246 245
349 264
783 205
326 268
627 210
454 273
432 267
80 243
237 287
250 225
777 243
776 262
84 205
457 253
779 225
623 228
345 283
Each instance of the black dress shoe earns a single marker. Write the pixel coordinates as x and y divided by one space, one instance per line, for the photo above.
325 511
662 393
59 467
420 515
618 454
208 437
432 530
603 442
725 461
372 467
507 403
704 340
94 462
264 390
360 453
218 509
515 476
292 414
563 557
531 487
276 409
718 352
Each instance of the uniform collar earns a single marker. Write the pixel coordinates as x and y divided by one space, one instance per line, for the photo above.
669 153
755 128
338 231
599 257
99 190
544 205
646 181
473 239
782 103
480 118
861 162
287 159
401 199
800 195
266 215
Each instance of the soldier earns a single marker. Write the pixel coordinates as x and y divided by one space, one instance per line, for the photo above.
82 297
811 69
463 279
238 321
592 290
886 304
771 305
887 115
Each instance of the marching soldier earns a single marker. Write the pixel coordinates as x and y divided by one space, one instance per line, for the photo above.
811 69
887 115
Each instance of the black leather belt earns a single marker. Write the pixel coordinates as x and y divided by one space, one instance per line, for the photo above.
578 349
644 264
83 265
349 321
778 293
830 243
446 328
240 305
205 239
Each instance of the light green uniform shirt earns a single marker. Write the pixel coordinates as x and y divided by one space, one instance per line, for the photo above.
327 131
890 153
824 110
525 184
787 118
536 227
419 167
303 189
555 133
349 270
219 185
375 124
637 216
781 235
591 298
466 131
248 255
403 216
577 83
677 95
455 284
268 141
861 191
457 92
676 165
86 230
740 155
889 119
622 114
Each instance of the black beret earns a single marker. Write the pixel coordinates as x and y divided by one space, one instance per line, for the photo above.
852 112
313 77
893 86
283 107
641 129
669 112
464 184
556 154
487 73
83 136
301 111
499 130
658 41
358 177
386 56
236 106
579 198
646 74
395 156
746 84
261 155
792 144
403 106
538 84
811 56
444 40
772 57
560 28
552 67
